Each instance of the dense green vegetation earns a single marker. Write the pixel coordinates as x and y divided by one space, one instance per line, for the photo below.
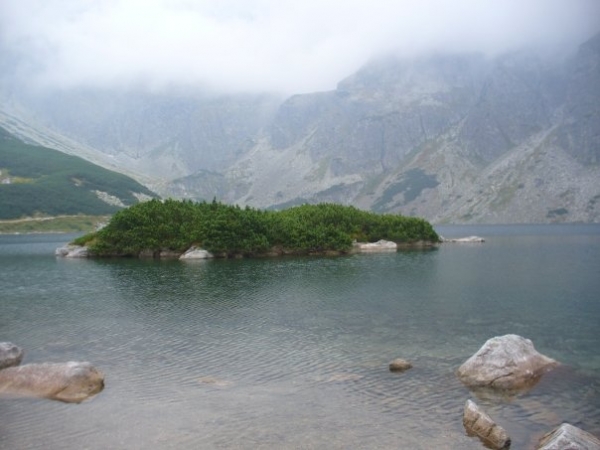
41 181
230 230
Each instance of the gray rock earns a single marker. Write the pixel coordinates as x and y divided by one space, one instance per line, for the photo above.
70 382
568 437
478 423
507 362
465 240
10 355
72 251
196 253
400 365
379 246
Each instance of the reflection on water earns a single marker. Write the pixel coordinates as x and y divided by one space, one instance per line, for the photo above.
294 352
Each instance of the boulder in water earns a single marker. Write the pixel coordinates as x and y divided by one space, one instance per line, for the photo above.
10 355
379 246
400 365
507 362
464 240
196 253
70 382
569 437
478 423
72 251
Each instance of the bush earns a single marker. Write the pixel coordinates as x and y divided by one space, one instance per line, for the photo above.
229 230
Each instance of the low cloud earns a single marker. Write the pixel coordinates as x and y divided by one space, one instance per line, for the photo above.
262 45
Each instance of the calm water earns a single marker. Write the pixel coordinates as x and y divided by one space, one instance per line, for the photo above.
293 352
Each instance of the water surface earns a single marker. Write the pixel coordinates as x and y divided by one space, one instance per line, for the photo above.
293 352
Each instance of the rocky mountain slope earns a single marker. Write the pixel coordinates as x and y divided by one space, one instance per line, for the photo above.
453 138
450 138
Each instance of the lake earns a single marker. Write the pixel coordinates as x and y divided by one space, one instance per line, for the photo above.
293 352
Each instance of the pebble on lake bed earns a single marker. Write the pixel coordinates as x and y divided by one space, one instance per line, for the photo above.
216 382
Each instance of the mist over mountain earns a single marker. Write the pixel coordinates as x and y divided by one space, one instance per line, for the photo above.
162 135
455 137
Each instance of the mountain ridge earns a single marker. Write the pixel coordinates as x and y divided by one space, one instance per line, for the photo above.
454 138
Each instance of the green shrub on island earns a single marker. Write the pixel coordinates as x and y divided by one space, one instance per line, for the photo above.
227 230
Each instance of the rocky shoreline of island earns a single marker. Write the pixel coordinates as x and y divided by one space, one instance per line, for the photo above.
183 229
198 253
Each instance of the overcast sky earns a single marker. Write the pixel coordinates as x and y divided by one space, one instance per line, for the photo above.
290 46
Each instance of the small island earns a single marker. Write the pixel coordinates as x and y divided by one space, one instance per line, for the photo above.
169 228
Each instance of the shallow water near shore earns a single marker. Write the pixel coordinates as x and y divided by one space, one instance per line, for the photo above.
293 352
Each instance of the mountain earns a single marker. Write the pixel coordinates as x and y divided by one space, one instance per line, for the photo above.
454 138
154 136
37 181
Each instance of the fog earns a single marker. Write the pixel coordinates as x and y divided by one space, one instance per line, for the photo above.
262 45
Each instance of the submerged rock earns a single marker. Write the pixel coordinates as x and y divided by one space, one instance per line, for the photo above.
216 382
72 251
507 362
569 437
70 382
400 365
343 377
10 355
196 253
478 423
379 246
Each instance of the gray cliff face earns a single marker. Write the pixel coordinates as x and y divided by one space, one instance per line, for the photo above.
166 135
452 138
514 103
579 135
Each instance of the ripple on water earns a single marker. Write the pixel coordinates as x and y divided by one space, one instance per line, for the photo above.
292 352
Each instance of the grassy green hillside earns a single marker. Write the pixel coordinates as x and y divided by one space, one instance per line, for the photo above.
38 181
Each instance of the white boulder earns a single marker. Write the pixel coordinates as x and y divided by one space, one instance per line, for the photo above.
196 253
507 362
70 382
464 240
569 437
379 246
72 251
